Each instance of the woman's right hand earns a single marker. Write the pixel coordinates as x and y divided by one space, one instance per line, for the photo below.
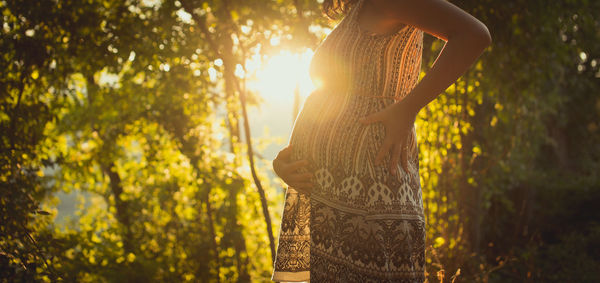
286 170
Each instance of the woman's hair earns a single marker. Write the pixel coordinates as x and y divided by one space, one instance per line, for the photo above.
334 8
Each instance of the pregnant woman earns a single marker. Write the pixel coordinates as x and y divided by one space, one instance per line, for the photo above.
353 207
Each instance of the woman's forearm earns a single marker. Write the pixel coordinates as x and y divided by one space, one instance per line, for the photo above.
457 55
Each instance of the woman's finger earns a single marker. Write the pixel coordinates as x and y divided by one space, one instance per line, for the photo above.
300 177
293 166
404 157
306 185
396 152
370 118
303 187
385 148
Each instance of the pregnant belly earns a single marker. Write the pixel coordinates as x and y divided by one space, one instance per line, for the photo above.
307 133
341 151
327 133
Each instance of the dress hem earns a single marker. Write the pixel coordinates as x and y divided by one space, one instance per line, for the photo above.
286 276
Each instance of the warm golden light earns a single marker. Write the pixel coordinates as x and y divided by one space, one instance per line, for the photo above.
280 74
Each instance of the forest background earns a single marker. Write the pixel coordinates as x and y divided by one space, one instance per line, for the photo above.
137 112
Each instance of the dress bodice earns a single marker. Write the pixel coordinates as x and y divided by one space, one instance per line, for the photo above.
353 61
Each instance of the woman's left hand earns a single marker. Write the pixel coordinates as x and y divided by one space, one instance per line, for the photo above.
398 120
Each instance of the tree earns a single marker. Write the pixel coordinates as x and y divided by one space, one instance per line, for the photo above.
140 108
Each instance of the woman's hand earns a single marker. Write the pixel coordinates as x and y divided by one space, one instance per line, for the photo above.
286 170
398 120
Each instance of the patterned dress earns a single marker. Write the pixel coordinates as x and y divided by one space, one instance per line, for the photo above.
360 223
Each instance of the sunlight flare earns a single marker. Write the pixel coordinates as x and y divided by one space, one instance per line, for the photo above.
279 75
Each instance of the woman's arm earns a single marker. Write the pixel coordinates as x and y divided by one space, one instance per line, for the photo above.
466 38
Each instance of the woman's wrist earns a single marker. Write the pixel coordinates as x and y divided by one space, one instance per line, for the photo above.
405 111
408 107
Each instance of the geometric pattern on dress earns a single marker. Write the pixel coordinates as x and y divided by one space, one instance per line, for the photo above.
360 223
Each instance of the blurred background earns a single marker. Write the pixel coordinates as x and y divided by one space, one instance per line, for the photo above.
137 138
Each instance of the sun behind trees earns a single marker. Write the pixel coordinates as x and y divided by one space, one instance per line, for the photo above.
118 102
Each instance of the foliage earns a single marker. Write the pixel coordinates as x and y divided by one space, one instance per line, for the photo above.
115 99
498 146
136 106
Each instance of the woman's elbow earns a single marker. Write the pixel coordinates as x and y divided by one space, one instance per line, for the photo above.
482 36
474 35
